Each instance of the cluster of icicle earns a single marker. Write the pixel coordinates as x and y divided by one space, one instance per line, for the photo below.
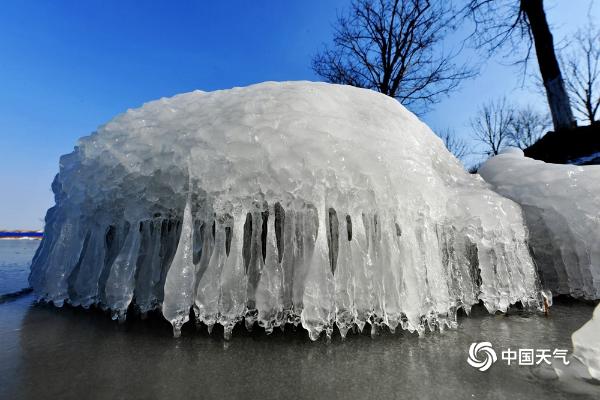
274 266
282 203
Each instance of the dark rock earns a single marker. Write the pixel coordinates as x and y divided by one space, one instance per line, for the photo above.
569 146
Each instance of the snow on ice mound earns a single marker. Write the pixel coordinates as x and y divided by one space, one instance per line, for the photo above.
279 202
561 206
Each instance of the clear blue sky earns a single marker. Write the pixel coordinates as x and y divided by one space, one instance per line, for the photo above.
67 67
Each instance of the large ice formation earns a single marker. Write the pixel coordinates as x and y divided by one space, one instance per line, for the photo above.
561 206
279 202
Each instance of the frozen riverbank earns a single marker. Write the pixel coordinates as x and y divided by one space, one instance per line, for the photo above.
70 353
15 257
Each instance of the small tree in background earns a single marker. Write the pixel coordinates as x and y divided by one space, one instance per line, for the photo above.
527 127
394 47
582 65
492 126
455 145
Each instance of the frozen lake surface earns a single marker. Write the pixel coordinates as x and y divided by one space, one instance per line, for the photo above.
15 257
70 353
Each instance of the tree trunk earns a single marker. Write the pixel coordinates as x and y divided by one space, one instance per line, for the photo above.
558 99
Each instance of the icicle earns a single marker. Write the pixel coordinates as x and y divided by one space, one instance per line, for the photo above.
149 268
345 312
179 283
208 292
269 292
232 301
318 310
85 287
119 286
61 261
254 261
391 273
361 264
39 261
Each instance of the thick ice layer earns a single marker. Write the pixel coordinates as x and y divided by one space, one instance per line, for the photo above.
562 210
586 344
279 202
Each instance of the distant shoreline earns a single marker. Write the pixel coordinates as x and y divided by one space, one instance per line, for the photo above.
21 234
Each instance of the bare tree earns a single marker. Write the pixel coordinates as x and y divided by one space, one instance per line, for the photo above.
492 126
394 47
527 127
517 22
582 65
454 144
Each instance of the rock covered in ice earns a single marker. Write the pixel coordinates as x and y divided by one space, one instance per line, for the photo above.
275 203
586 344
562 210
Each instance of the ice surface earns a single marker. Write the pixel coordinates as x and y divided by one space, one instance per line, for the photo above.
586 344
280 203
561 206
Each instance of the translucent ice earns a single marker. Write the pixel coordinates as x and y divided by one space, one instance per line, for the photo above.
562 210
586 344
280 203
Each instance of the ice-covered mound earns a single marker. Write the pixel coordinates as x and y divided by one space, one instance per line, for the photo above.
562 210
586 344
279 202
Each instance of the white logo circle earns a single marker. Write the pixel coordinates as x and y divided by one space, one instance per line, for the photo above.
488 356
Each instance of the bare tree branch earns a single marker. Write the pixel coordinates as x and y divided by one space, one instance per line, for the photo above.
512 24
457 146
394 47
498 24
582 66
492 126
527 127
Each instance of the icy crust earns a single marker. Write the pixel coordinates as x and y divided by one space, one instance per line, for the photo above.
279 203
561 207
586 344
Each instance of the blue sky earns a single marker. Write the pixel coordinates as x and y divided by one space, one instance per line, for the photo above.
67 67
